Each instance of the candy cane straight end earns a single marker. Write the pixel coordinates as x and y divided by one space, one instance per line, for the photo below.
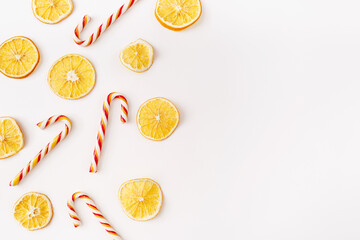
92 169
16 180
12 184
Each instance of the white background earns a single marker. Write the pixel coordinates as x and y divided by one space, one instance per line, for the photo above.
267 146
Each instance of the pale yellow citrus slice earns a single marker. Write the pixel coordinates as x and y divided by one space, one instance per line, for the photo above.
72 77
141 199
51 11
157 118
11 137
177 14
18 57
33 211
137 56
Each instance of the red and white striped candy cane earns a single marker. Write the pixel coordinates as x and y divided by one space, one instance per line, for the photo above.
103 125
47 148
102 28
94 210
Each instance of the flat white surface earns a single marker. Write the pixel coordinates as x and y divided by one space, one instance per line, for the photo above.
268 143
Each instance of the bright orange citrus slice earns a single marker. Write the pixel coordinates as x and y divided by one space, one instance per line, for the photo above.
137 56
18 57
11 137
33 211
177 14
157 119
52 11
141 199
72 77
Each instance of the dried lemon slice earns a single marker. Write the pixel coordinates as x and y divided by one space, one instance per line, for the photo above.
11 137
33 211
51 11
71 77
157 119
137 56
177 14
141 199
18 57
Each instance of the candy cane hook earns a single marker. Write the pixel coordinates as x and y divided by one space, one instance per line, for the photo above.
47 148
94 210
102 28
103 125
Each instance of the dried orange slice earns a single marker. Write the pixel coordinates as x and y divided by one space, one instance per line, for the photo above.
11 137
51 11
177 14
33 211
72 77
18 57
157 118
141 199
137 56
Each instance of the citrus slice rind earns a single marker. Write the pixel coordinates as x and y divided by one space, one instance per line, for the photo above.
141 199
11 137
51 11
157 119
72 77
33 211
19 57
177 15
137 56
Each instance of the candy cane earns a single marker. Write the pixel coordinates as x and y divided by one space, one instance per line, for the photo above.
103 125
47 148
93 37
95 211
